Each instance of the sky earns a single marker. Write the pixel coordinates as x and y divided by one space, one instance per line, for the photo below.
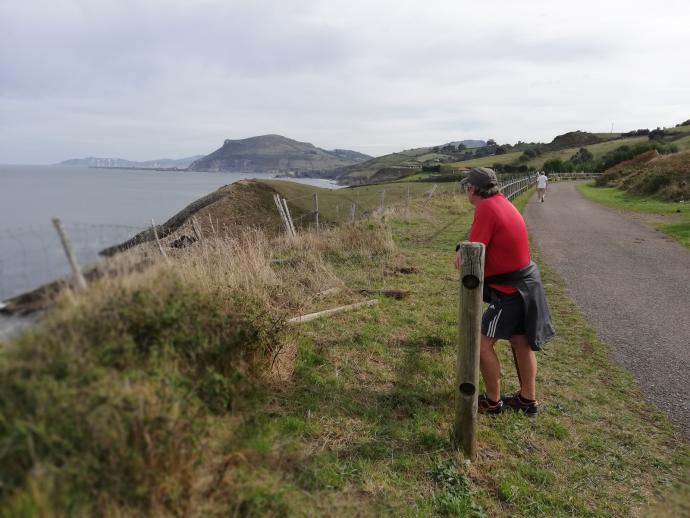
154 79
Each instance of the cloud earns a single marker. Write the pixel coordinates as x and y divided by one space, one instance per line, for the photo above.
149 78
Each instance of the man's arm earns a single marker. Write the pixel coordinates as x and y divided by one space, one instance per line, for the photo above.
481 231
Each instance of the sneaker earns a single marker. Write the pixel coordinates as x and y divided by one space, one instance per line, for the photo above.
516 403
486 406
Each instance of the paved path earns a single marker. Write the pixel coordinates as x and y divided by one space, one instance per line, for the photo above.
631 282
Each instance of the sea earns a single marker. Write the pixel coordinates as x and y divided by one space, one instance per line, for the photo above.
98 208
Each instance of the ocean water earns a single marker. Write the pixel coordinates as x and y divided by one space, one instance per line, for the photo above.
98 208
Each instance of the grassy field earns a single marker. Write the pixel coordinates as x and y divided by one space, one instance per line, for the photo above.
598 150
349 415
335 205
370 399
670 218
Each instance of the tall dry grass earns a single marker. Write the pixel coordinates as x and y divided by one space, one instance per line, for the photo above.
105 405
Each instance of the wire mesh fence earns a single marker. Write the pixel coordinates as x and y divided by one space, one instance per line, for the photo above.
33 255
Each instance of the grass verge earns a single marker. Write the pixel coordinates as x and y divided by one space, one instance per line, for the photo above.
155 395
671 218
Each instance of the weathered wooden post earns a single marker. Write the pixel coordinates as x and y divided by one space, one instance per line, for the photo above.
353 211
316 210
407 199
383 197
469 333
197 230
289 217
158 241
281 212
71 258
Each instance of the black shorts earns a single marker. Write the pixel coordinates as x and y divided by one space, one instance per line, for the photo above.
505 316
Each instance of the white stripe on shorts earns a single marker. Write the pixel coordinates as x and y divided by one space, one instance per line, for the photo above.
494 323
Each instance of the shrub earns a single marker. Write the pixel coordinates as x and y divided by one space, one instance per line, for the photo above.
625 152
108 400
582 156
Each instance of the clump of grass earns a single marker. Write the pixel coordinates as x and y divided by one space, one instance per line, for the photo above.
363 240
104 406
108 400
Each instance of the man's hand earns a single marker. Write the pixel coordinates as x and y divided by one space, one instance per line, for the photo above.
456 260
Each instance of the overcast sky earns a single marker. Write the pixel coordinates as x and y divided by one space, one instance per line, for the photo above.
171 78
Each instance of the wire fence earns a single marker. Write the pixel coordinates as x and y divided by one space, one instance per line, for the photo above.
304 214
32 256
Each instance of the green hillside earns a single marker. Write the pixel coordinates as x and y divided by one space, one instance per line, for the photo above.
598 150
563 147
412 158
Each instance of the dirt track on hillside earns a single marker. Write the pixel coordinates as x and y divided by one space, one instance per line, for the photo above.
630 281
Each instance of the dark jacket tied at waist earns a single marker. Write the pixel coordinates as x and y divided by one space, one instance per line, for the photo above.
527 281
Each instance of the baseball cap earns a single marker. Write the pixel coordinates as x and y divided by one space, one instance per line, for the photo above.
482 177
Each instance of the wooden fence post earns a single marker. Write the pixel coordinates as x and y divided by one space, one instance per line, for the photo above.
281 213
71 258
469 333
158 241
289 217
353 210
316 210
383 197
197 230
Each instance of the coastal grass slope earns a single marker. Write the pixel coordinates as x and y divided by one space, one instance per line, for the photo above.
179 390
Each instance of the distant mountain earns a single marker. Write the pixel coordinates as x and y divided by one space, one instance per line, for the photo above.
181 163
276 154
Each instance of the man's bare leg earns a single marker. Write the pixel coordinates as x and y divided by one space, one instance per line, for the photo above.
526 364
490 366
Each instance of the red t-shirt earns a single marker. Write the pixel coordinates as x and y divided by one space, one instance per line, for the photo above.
499 225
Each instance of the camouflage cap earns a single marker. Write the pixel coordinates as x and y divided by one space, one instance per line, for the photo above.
481 177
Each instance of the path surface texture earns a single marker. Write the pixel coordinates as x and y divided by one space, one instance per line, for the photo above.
631 282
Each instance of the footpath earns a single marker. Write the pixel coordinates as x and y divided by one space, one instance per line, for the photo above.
631 282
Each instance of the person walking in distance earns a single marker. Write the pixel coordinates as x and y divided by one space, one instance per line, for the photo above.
517 309
542 180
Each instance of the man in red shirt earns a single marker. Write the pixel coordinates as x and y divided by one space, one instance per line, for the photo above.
517 306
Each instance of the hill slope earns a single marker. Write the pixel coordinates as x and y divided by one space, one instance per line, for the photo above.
664 177
275 154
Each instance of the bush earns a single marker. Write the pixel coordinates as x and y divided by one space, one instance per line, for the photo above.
625 152
657 134
582 157
108 401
